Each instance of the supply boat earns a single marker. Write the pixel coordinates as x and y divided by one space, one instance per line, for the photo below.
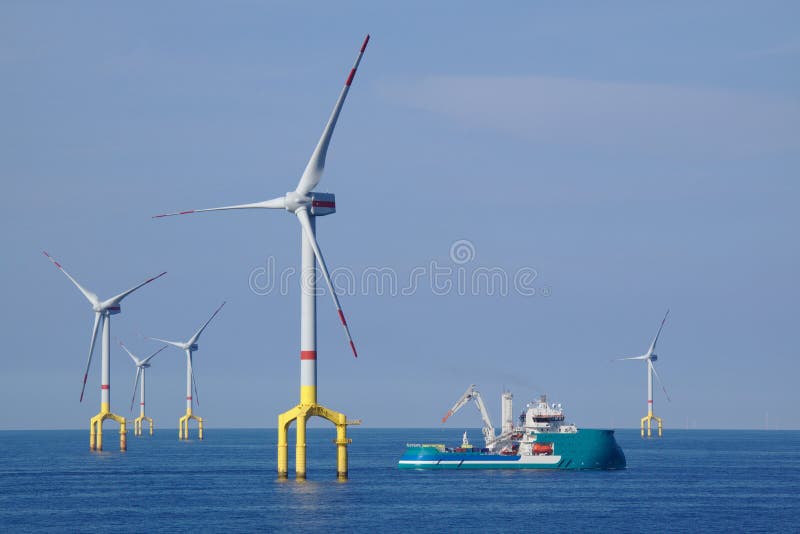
542 440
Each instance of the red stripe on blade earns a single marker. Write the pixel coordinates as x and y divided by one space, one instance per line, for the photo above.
341 317
353 346
364 46
350 78
185 212
308 355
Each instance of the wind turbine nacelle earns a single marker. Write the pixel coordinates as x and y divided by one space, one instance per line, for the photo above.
113 310
653 357
193 347
322 204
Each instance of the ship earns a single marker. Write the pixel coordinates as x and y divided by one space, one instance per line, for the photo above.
541 440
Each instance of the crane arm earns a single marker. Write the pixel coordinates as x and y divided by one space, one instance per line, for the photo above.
465 398
472 394
488 428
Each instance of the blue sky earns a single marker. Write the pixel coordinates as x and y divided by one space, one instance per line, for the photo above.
635 156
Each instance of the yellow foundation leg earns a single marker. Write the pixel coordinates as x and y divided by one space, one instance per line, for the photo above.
341 448
283 452
96 429
183 425
300 448
301 413
648 419
151 427
99 435
284 421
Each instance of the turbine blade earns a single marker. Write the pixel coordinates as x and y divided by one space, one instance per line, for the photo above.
655 339
316 165
196 336
135 383
642 357
136 360
194 382
117 299
91 297
660 383
275 203
302 216
97 317
146 360
176 344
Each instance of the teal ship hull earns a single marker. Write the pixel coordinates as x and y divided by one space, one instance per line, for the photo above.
584 449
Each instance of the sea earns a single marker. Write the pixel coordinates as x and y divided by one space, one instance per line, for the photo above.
687 481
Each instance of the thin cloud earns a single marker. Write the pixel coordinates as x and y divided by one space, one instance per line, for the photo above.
654 118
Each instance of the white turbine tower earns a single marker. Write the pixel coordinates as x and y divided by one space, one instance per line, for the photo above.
141 368
189 347
103 310
650 356
307 205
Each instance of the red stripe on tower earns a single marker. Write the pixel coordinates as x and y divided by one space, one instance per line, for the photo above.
188 398
105 386
308 355
649 402
141 404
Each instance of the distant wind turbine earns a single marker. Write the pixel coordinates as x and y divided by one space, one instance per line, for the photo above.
141 368
189 347
650 356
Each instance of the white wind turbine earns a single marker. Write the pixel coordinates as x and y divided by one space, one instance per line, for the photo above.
189 347
141 368
650 356
103 310
307 205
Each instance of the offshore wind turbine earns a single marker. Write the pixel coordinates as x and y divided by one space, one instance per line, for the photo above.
307 205
189 347
141 368
103 310
649 357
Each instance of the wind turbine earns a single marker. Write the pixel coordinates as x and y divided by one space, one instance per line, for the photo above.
189 347
141 367
103 310
307 205
650 356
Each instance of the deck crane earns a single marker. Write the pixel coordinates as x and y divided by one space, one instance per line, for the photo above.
472 394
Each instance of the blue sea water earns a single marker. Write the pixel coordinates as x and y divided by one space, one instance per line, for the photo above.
689 481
